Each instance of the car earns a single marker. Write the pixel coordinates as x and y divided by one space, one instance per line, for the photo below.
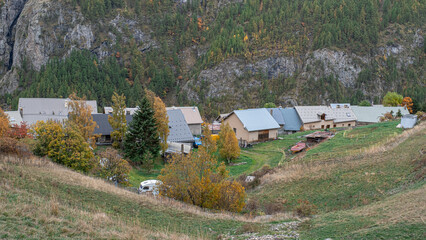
150 186
197 142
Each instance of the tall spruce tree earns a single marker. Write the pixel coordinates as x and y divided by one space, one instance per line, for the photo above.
142 136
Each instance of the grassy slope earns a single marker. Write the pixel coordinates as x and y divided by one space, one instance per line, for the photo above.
39 199
344 182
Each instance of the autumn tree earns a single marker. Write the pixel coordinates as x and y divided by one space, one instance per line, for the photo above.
4 123
112 167
142 136
197 179
19 131
228 144
81 118
45 133
408 103
118 119
69 148
392 99
161 117
208 143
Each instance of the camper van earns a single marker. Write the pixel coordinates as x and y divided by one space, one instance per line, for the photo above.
149 186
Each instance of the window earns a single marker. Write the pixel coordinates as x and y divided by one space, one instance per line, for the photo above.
348 114
334 125
343 125
235 130
349 125
322 126
263 135
323 116
328 126
145 188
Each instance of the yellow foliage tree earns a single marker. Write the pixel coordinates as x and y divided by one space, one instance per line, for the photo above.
161 117
45 133
118 119
208 143
197 179
70 149
228 144
112 167
81 118
4 124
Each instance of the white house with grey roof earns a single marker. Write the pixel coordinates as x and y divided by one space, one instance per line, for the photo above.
324 117
43 109
252 125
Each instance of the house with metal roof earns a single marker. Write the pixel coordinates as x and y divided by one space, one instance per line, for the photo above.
14 117
372 114
315 117
287 118
179 130
252 125
104 129
192 118
324 117
43 109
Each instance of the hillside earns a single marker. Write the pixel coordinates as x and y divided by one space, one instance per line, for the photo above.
373 191
220 55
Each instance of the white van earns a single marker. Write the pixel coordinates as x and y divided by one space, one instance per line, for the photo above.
149 186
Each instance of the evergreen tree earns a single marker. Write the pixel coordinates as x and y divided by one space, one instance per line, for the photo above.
142 134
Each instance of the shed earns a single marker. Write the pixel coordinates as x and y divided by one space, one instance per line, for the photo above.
408 121
192 118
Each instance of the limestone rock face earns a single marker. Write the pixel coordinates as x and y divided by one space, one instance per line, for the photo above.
37 30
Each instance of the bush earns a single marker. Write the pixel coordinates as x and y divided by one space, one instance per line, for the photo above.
112 167
274 207
252 205
365 103
305 208
8 145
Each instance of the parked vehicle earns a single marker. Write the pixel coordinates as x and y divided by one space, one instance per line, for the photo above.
149 186
197 142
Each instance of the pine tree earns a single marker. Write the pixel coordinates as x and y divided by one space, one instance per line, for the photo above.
142 134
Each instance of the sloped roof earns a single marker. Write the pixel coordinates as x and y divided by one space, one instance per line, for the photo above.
277 115
408 121
179 130
191 114
14 117
310 114
343 115
49 106
372 114
34 118
256 119
104 128
291 119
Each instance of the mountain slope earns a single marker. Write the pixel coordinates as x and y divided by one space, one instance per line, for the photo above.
220 54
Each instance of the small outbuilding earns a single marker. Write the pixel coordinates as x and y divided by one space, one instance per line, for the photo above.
192 118
252 125
408 121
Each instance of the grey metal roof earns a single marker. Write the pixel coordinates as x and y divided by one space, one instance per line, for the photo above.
408 121
191 114
256 119
14 117
277 115
179 129
291 119
34 118
310 114
372 114
104 128
49 106
343 115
